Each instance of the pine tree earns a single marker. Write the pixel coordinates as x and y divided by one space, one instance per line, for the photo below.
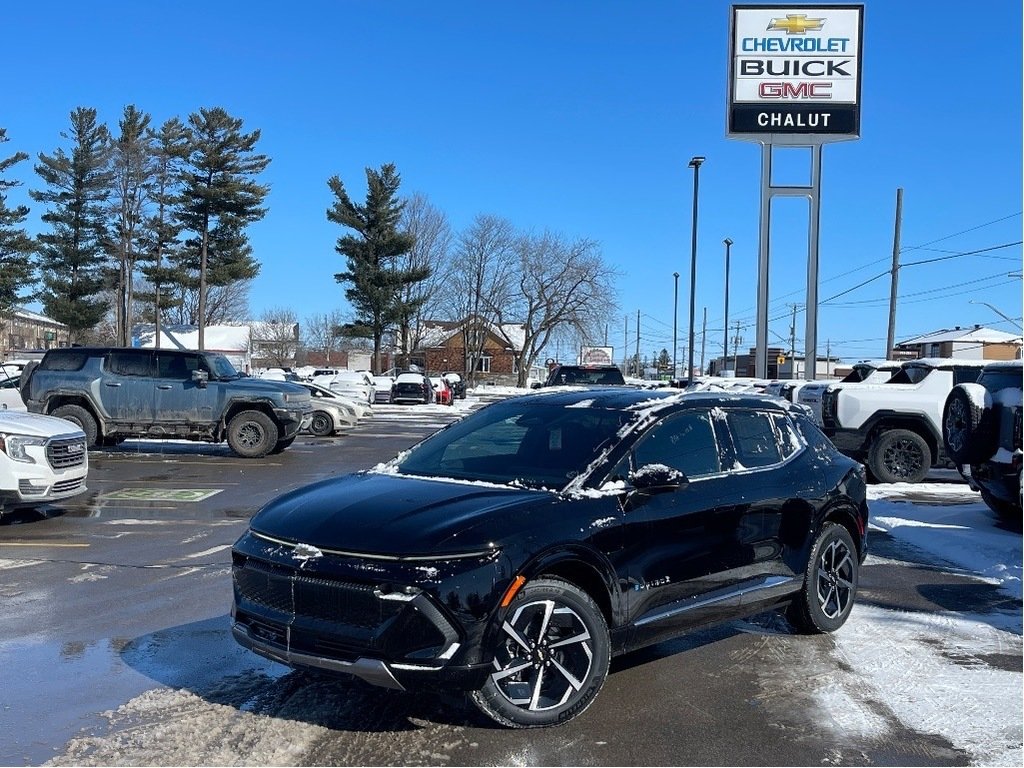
16 247
161 244
219 199
133 170
72 254
374 277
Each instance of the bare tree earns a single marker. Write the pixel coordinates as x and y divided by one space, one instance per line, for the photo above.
480 279
276 336
559 285
224 304
322 332
433 238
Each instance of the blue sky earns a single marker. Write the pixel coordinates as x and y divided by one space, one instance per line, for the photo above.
579 117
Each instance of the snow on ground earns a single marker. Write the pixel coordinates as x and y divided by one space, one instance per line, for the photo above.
956 527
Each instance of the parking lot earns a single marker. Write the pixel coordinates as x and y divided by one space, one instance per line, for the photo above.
115 646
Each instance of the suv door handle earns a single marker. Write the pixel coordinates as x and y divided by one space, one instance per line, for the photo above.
163 386
112 383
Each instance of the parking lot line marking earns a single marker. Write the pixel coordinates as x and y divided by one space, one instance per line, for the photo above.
65 544
161 494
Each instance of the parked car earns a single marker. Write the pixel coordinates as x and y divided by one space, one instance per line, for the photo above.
457 383
355 384
863 372
412 388
42 459
443 394
112 393
981 428
10 394
331 413
896 427
585 375
384 385
513 553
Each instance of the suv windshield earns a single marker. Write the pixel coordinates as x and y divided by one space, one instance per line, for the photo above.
221 367
530 445
911 374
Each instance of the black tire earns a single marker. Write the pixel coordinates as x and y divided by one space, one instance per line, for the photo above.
830 583
280 445
547 677
252 434
78 415
322 424
900 456
967 425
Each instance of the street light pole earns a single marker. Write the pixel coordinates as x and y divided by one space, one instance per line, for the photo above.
725 332
675 317
695 163
1007 319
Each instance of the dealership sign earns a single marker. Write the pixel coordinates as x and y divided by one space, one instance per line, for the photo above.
795 70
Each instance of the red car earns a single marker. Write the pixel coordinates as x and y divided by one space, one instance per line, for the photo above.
443 394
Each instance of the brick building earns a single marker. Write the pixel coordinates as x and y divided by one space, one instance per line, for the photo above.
447 345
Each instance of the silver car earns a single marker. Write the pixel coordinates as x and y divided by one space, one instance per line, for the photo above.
331 413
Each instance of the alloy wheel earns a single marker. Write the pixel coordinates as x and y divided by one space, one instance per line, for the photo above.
835 579
903 459
544 657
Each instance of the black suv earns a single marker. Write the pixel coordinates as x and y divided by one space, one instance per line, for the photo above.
114 393
981 427
513 553
585 375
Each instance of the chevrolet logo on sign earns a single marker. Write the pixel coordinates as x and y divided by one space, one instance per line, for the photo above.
796 24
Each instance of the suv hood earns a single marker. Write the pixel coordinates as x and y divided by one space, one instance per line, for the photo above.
36 425
391 514
268 386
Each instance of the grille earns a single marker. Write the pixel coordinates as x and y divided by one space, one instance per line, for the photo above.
28 489
288 591
66 453
66 486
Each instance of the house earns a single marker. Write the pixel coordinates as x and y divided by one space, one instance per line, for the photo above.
449 346
22 330
974 343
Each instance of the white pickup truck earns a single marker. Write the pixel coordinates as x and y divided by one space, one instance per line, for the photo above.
42 459
864 372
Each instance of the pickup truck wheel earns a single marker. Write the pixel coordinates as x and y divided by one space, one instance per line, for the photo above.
322 424
76 414
252 434
900 456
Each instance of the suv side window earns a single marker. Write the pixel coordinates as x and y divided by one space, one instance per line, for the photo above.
754 438
71 360
130 362
684 441
965 375
176 366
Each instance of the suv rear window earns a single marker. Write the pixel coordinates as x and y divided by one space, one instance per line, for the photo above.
910 374
570 374
64 360
998 380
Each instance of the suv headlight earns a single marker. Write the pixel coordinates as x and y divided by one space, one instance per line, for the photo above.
15 445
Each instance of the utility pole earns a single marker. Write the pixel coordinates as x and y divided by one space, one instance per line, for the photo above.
625 348
792 344
638 344
828 359
890 339
703 338
736 349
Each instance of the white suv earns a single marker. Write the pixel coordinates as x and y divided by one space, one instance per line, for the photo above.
42 459
864 372
896 427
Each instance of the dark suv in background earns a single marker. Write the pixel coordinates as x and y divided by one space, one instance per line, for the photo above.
981 427
585 375
114 393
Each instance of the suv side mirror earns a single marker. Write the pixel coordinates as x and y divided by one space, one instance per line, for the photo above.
201 378
658 478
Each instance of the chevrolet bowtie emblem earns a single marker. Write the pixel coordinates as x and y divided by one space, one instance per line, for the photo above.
796 24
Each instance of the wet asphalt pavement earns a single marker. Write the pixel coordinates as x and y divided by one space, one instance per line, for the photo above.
115 647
